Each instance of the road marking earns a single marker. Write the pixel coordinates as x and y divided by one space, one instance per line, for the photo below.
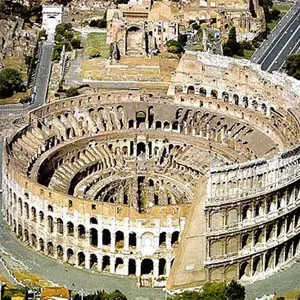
291 37
286 18
277 41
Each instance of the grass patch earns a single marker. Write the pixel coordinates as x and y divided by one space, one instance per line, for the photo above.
248 53
97 41
18 64
282 6
291 295
14 99
30 279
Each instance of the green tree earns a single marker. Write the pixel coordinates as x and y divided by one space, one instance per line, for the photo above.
293 65
275 14
232 47
10 82
76 43
174 46
72 92
213 291
266 5
235 291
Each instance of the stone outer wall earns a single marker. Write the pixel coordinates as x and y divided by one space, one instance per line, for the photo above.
249 225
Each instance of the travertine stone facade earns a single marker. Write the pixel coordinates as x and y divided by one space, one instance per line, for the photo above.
127 182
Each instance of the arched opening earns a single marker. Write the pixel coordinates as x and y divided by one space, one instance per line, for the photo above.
191 90
131 267
70 256
243 269
245 102
93 220
254 104
162 239
140 119
166 125
162 267
202 92
119 263
214 94
33 214
264 108
132 239
50 224
119 240
235 99
106 238
60 226
147 266
93 237
81 259
41 245
50 249
175 125
81 231
225 96
41 216
33 240
106 263
60 252
141 148
245 240
134 41
93 261
158 125
26 207
26 235
70 228
20 231
175 238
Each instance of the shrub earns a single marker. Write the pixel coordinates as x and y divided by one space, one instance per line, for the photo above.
93 52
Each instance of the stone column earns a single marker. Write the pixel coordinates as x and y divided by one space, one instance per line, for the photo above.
155 268
100 244
112 264
138 242
126 264
99 257
87 261
168 241
126 241
138 264
113 242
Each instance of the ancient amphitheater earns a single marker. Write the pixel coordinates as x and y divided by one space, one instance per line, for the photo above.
198 185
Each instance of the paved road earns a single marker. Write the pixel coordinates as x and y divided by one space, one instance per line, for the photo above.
42 77
281 42
43 74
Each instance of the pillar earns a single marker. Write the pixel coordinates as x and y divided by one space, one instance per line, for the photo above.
138 264
112 264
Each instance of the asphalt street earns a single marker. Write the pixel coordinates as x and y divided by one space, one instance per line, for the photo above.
41 83
43 73
281 42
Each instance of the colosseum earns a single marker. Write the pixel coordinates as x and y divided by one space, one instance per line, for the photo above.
198 185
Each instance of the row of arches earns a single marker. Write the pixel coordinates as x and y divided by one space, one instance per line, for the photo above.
233 98
103 263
